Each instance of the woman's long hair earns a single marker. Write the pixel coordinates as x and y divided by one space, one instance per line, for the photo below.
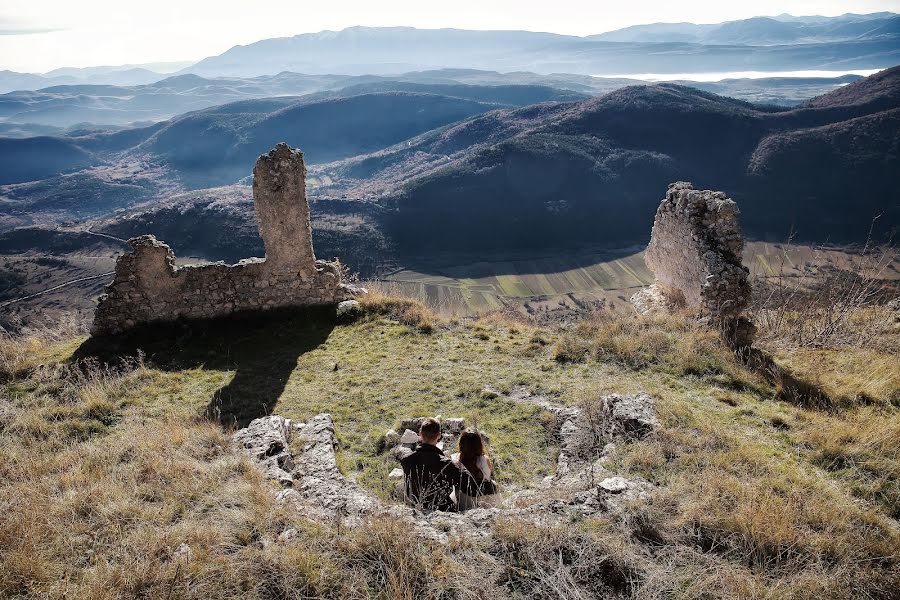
471 447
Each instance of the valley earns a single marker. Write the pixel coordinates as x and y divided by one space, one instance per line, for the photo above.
550 287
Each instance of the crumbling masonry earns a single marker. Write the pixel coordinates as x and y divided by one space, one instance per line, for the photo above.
695 252
148 287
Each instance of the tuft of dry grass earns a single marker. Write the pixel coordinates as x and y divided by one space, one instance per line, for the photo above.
408 311
35 345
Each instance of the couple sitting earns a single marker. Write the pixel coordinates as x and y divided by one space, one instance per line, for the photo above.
437 482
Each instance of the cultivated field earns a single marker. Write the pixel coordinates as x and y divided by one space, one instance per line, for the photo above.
574 280
557 284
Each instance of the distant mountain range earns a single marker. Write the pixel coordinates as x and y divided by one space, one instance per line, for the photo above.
86 106
762 44
765 31
112 75
74 109
782 43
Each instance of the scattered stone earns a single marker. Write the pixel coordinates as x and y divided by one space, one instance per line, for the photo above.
396 474
617 492
267 442
148 286
349 308
695 252
391 438
629 417
183 552
413 424
453 426
614 485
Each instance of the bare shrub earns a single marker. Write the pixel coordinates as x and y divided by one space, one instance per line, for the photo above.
824 304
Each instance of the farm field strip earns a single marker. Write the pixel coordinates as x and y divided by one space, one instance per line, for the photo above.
481 286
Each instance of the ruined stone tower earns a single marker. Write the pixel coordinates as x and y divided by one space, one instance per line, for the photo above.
282 212
695 252
148 287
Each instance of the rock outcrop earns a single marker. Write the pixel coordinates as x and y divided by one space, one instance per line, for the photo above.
310 478
148 286
695 252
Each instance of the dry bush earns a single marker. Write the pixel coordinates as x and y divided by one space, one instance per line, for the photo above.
410 312
828 306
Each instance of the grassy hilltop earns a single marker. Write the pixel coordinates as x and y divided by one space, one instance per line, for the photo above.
118 478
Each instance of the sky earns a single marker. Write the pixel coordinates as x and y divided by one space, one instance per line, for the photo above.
40 35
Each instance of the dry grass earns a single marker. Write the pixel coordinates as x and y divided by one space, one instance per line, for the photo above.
32 346
674 344
830 307
771 525
410 312
112 485
859 447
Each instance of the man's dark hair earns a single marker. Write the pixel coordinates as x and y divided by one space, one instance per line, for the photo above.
431 429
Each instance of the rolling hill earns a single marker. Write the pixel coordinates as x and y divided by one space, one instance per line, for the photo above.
39 157
437 173
564 174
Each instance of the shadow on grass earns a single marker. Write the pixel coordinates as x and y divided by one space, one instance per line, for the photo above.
788 387
262 349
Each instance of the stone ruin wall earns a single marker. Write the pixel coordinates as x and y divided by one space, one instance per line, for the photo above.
149 287
695 252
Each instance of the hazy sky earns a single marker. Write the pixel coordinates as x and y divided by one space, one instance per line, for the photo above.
39 35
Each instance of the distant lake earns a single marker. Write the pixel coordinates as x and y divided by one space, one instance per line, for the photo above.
709 77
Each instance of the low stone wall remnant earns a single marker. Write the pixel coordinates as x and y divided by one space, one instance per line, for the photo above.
149 287
695 252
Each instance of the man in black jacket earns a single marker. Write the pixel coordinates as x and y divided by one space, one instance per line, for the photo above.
431 476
